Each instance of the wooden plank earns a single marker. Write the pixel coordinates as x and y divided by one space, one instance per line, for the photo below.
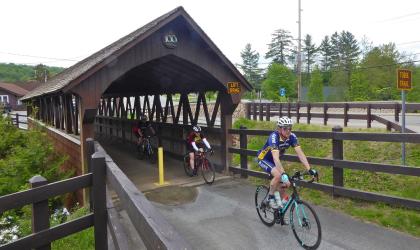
52 234
115 228
155 232
37 194
369 196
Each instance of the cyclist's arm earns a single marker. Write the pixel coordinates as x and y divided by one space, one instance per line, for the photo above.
302 157
194 146
140 132
152 130
276 158
206 143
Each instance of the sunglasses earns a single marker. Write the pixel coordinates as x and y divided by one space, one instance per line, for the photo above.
287 128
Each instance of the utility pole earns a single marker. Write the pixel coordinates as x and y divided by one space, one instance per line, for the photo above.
299 57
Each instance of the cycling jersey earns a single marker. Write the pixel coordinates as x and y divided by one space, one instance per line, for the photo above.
145 127
275 142
199 141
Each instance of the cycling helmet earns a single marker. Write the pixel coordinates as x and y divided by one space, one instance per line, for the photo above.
284 122
196 128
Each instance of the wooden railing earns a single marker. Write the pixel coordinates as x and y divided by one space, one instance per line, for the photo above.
154 231
16 121
337 162
266 110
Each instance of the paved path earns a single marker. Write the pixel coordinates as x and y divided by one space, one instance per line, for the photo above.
223 217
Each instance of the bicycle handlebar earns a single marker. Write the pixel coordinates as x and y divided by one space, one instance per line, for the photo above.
299 176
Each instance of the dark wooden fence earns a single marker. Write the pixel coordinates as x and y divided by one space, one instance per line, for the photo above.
337 162
266 110
16 121
103 174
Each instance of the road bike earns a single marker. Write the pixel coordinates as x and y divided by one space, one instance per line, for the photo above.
302 217
146 151
200 163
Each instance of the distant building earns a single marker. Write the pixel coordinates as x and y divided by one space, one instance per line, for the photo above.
10 94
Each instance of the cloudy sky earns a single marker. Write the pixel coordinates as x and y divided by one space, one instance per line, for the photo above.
60 33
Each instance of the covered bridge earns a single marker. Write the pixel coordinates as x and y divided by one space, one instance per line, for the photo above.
151 71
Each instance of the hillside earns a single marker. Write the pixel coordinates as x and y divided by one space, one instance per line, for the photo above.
13 73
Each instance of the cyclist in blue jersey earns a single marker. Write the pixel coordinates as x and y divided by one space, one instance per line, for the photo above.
269 157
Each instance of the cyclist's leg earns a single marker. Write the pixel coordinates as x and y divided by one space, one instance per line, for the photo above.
268 167
275 182
191 159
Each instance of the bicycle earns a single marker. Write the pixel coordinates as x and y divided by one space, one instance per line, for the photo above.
200 162
145 150
302 216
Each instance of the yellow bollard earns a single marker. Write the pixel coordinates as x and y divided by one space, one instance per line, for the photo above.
160 164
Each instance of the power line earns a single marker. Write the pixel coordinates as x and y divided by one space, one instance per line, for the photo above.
42 57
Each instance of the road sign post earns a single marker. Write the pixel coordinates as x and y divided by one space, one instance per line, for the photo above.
403 84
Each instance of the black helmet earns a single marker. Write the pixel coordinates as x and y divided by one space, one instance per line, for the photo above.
196 128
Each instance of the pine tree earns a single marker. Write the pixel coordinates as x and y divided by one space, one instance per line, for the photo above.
309 51
279 48
326 53
250 67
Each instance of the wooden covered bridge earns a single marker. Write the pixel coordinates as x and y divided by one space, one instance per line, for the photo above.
155 71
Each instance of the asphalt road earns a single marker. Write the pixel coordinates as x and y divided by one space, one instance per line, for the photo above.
223 217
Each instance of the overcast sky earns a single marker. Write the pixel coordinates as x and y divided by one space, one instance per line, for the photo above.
73 30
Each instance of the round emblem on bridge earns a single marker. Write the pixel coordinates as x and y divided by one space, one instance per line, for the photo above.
170 41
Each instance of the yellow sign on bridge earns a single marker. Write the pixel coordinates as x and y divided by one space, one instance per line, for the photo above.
234 88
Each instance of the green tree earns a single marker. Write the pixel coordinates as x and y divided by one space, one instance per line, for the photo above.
315 93
359 89
250 67
279 76
378 69
309 52
24 154
325 51
42 74
279 47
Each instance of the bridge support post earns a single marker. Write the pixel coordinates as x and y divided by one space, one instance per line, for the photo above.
369 116
90 150
337 146
267 112
99 201
243 144
40 212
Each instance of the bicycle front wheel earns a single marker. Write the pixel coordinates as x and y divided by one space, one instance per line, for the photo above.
208 172
305 225
152 155
265 213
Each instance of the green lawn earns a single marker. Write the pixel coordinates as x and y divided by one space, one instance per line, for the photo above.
401 219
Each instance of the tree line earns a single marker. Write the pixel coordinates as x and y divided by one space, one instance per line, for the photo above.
19 73
349 69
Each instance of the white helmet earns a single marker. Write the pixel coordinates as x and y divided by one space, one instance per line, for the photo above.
196 128
284 122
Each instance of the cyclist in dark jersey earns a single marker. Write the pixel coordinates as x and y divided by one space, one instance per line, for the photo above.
269 157
195 143
143 128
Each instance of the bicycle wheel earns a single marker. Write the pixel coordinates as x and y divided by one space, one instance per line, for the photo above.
187 167
305 225
265 213
141 151
208 172
152 155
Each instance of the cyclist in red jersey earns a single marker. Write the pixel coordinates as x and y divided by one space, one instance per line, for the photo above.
195 143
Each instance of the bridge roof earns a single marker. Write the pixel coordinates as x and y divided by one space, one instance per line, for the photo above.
72 76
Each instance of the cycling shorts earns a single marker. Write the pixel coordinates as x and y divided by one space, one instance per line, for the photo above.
267 166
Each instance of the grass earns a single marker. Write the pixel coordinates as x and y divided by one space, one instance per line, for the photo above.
83 240
401 219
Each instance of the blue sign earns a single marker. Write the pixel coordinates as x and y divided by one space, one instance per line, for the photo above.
282 91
